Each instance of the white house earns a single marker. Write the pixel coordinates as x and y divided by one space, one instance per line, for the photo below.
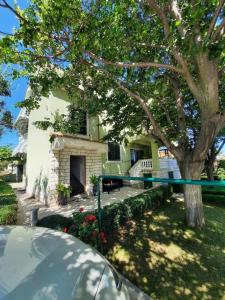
59 157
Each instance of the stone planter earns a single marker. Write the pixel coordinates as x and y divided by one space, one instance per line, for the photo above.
94 190
62 199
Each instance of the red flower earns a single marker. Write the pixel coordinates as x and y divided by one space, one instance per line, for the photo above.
102 237
90 218
65 229
81 209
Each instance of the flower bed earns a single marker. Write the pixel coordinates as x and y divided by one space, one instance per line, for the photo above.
8 204
84 225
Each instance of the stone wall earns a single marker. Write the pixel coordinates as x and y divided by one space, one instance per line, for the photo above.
60 168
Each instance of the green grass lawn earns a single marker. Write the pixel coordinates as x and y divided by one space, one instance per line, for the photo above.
167 260
8 204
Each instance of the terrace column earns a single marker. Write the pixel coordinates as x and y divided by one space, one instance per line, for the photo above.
155 158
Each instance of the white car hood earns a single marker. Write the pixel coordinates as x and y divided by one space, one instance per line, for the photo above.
42 264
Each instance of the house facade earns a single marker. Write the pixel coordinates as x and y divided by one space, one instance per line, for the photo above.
57 157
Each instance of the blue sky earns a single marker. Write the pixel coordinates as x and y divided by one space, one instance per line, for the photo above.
18 88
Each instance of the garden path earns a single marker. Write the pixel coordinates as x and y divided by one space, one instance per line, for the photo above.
89 203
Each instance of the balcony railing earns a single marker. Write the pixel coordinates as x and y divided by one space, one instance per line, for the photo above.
140 166
146 163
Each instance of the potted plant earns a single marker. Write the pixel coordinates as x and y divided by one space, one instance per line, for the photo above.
64 191
94 182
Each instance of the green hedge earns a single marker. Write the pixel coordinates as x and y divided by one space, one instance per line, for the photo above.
8 204
8 177
113 216
56 222
213 190
213 195
117 214
221 164
213 198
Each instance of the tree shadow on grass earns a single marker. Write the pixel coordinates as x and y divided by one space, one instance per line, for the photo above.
167 260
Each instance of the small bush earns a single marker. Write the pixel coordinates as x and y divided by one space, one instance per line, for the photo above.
221 164
117 214
56 222
213 194
84 225
213 190
8 204
9 177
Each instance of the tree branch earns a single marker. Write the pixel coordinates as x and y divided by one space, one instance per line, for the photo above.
215 17
220 147
179 104
219 29
161 15
167 114
6 33
142 103
134 64
209 129
6 5
175 10
187 75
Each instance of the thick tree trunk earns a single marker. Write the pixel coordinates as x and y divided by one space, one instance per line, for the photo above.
193 205
209 167
192 193
209 162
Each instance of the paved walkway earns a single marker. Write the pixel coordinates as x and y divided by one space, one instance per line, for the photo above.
89 203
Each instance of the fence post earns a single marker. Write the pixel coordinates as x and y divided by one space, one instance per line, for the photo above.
99 204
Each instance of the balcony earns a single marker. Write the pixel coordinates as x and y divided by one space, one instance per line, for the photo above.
141 166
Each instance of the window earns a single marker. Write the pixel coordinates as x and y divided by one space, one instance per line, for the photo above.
113 151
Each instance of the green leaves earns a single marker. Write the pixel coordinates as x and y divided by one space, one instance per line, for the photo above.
53 43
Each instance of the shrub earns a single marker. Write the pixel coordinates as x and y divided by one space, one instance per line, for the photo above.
214 198
9 177
8 204
221 164
84 225
56 222
117 214
213 190
213 194
221 173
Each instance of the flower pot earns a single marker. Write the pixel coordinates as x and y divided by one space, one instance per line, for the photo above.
94 189
62 199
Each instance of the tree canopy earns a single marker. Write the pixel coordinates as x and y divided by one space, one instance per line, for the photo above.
153 66
5 115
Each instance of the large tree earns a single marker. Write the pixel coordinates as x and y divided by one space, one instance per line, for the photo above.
5 115
150 64
213 152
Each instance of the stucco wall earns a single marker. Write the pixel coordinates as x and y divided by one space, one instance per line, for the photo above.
39 147
122 167
45 169
40 159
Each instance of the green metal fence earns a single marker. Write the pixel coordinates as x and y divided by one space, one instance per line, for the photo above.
152 179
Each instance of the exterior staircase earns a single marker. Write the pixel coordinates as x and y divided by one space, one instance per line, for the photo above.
143 166
140 167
